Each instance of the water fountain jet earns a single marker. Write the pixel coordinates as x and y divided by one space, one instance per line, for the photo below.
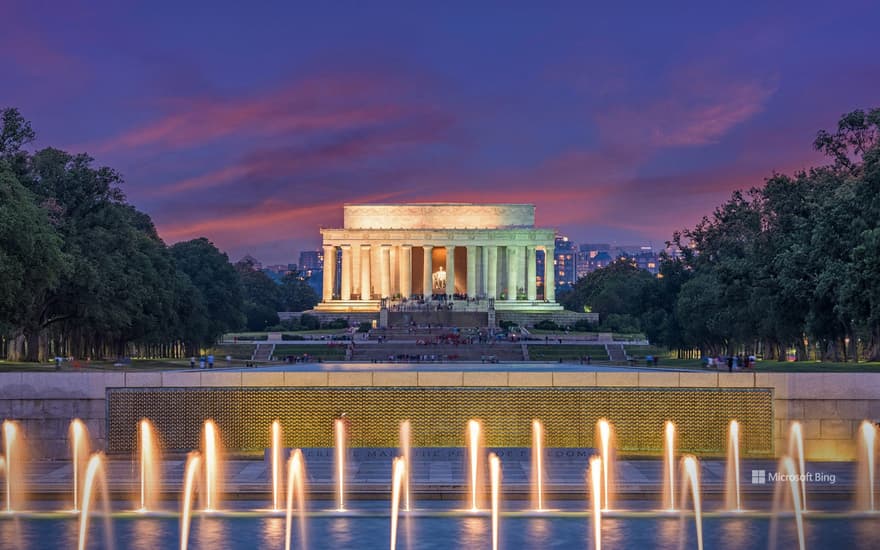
691 476
495 478
669 467
867 466
193 463
150 465
791 471
796 451
537 465
398 469
13 461
79 453
406 453
474 452
94 475
339 437
606 450
596 499
276 465
212 466
732 492
296 476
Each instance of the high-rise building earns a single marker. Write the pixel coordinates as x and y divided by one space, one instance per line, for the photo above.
311 260
565 258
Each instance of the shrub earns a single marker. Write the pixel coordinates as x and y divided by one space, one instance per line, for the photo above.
584 325
309 322
546 324
337 323
365 326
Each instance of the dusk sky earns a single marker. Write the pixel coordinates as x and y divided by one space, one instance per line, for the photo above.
251 123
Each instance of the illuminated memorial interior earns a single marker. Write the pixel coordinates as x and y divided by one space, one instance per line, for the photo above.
460 252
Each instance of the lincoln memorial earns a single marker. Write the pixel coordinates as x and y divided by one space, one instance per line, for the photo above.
468 256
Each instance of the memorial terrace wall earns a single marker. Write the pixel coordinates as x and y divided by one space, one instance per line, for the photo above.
830 406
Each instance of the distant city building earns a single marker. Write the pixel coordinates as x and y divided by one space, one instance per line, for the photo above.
596 256
311 260
565 259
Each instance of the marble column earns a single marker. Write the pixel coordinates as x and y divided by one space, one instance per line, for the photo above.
345 277
366 283
512 272
329 271
471 271
521 257
428 268
450 270
405 270
549 274
356 269
492 272
484 270
531 268
395 272
385 270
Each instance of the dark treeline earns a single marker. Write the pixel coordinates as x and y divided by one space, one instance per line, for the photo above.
85 274
790 266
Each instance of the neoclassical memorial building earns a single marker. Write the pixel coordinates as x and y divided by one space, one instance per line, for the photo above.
469 256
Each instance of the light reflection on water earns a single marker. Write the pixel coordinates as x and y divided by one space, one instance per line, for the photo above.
148 534
208 532
441 533
474 532
272 533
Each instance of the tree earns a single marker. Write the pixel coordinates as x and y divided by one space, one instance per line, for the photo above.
615 292
217 283
297 294
31 260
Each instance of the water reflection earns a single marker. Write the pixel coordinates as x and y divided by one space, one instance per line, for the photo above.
538 533
272 533
735 533
148 534
341 533
210 532
474 532
11 533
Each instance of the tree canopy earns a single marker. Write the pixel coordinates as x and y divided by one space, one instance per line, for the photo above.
788 265
84 273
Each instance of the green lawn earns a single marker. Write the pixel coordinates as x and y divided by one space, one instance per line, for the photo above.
550 352
236 351
321 331
323 351
781 366
97 366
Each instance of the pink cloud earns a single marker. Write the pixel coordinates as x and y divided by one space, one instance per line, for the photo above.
338 152
686 119
320 103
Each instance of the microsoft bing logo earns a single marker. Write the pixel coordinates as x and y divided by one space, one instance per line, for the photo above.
759 477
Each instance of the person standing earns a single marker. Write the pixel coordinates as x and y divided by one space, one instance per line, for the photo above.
211 361
192 362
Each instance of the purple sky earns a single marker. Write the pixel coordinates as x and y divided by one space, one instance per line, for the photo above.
251 124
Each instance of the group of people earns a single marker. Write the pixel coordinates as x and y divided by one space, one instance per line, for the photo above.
205 361
732 362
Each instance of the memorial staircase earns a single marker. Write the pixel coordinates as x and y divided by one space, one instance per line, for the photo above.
263 352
